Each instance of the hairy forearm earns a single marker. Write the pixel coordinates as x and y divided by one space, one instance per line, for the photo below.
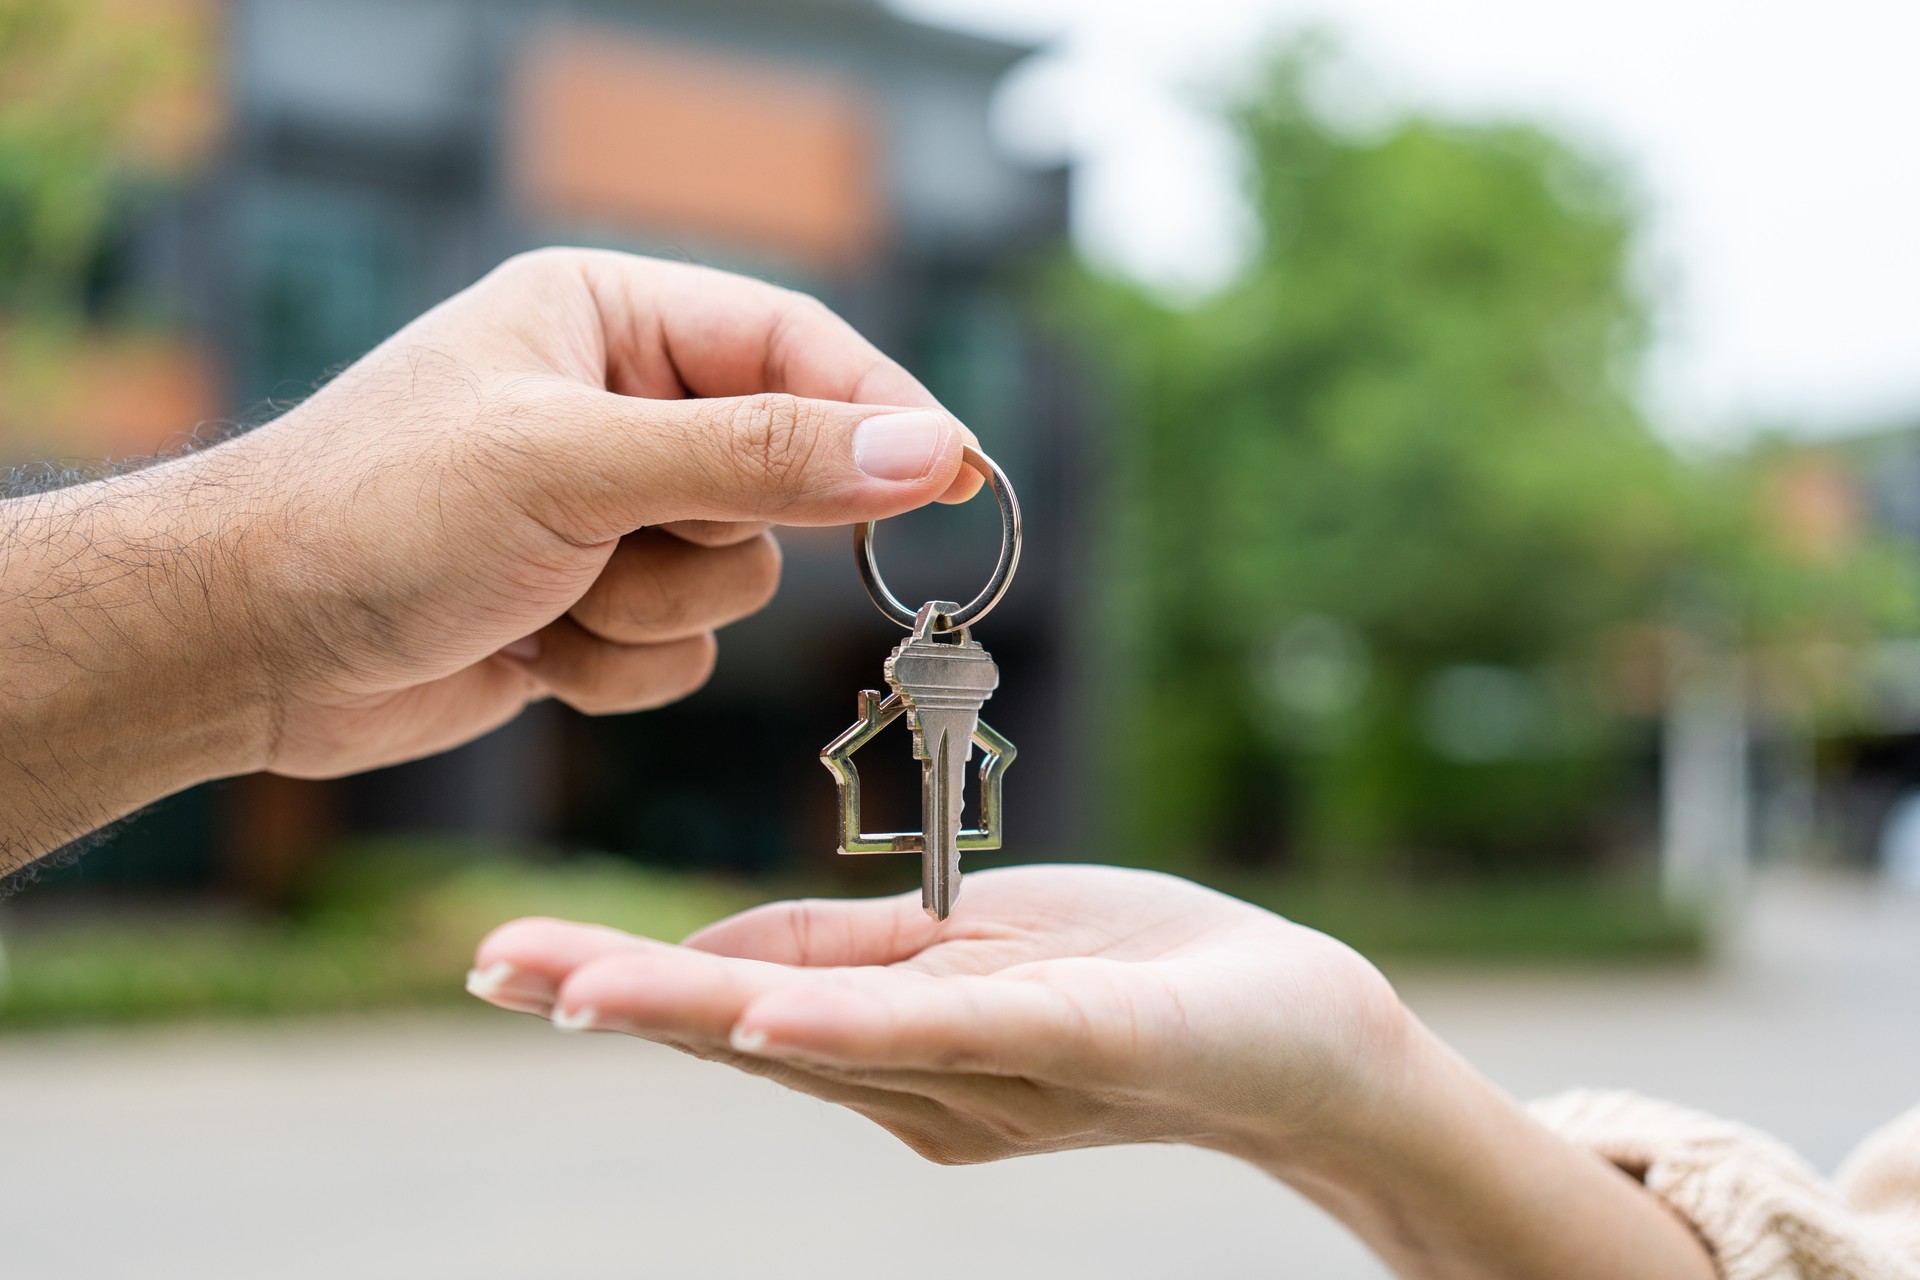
1447 1178
126 663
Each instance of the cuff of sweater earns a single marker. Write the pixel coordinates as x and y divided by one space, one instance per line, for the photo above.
1760 1209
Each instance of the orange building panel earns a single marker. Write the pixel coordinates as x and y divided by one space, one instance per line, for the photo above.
610 130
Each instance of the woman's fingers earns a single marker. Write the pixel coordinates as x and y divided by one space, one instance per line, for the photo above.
521 965
820 932
865 1018
716 1006
600 678
657 587
951 1066
895 1020
665 993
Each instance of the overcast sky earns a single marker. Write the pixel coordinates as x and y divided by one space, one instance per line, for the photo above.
1777 146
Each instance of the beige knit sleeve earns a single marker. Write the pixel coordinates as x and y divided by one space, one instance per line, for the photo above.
1760 1209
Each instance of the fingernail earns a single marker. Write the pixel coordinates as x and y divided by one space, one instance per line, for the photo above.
748 1039
486 983
526 648
899 446
578 1020
511 988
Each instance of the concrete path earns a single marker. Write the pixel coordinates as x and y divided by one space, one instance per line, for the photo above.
490 1147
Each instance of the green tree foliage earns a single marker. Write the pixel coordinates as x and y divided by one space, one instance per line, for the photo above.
1391 520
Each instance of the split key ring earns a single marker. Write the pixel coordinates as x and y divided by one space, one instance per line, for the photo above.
982 604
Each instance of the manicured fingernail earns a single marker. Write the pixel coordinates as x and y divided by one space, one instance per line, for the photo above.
899 446
579 1020
748 1040
526 648
511 988
486 983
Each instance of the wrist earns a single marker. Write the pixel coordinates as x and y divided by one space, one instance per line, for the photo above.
1370 1088
1446 1177
1390 1159
1384 1121
128 664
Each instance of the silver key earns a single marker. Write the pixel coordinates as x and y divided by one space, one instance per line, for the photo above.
939 684
942 684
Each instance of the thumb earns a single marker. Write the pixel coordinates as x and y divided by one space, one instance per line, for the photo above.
614 463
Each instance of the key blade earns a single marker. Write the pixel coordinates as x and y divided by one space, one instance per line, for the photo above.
942 684
943 775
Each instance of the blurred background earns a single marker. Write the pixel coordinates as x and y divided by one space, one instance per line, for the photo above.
1471 456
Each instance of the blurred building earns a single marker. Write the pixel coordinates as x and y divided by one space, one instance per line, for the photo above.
378 155
1842 782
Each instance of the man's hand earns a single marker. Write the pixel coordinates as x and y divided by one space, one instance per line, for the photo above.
555 484
1068 1007
474 486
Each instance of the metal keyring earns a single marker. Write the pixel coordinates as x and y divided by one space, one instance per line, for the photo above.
978 607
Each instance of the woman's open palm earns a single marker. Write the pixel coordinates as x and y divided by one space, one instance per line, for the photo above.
1058 1007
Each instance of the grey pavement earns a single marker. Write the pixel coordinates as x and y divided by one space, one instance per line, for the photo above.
489 1146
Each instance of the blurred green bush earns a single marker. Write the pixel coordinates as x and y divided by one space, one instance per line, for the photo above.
1571 920
390 923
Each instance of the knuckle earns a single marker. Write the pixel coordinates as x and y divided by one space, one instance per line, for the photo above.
653 594
633 599
645 680
585 683
808 306
773 436
651 604
535 263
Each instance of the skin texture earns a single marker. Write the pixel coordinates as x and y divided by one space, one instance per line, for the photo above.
1069 1007
556 484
